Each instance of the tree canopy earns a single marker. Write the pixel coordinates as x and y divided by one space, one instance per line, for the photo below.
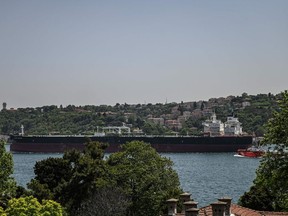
270 189
134 181
71 179
146 178
7 183
26 206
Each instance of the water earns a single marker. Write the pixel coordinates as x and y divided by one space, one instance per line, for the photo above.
24 166
207 176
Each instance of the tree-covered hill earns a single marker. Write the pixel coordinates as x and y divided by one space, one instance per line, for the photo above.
184 118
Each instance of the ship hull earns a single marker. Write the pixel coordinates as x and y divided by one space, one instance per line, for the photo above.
60 144
251 152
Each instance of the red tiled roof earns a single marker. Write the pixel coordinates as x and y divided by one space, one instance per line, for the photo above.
266 213
239 211
242 211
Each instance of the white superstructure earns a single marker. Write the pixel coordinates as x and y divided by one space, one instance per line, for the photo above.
215 127
232 126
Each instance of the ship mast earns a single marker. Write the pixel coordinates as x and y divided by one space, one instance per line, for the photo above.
22 130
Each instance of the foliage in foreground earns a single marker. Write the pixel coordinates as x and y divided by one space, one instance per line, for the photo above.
135 181
12 206
146 177
71 179
270 189
7 183
26 206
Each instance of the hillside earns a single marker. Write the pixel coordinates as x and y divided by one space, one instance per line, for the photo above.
184 118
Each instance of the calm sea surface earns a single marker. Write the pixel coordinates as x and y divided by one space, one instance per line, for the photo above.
207 176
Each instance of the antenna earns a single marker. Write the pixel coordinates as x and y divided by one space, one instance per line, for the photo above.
22 130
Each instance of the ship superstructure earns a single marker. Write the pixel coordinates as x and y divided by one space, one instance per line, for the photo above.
215 127
232 126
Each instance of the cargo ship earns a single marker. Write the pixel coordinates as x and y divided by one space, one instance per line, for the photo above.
59 144
214 140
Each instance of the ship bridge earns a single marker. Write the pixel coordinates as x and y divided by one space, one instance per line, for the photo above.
116 130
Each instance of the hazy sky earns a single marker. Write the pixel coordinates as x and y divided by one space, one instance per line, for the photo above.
106 52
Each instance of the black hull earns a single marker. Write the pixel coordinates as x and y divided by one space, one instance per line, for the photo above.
59 144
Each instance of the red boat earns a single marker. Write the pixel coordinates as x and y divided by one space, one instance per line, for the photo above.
252 152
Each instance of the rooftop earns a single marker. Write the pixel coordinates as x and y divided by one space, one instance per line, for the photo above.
222 207
237 211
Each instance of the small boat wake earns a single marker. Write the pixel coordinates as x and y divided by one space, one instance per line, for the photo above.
240 156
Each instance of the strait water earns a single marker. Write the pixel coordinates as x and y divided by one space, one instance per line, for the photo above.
207 176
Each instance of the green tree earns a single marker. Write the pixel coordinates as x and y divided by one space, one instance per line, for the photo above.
271 180
50 174
135 181
146 178
153 129
89 173
108 201
72 179
2 212
7 183
26 206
